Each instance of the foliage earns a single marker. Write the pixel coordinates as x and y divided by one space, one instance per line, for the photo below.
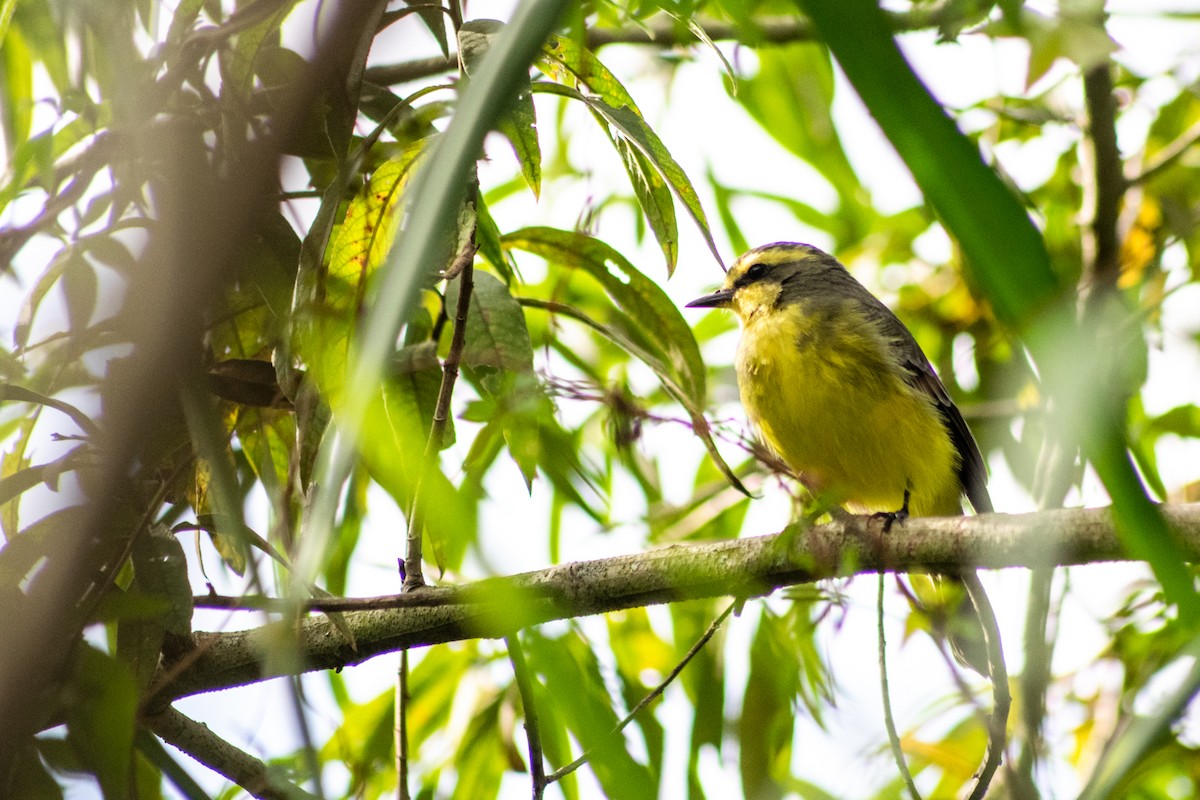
275 298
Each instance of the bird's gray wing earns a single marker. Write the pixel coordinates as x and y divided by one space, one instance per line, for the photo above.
918 373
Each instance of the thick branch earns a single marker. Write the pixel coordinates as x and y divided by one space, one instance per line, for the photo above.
195 739
756 566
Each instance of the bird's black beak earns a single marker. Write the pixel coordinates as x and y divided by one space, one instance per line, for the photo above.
718 299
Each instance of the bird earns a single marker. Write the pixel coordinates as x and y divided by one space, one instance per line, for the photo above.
842 393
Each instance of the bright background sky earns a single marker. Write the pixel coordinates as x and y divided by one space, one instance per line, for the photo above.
704 128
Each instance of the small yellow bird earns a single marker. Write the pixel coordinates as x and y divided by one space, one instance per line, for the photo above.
839 388
841 391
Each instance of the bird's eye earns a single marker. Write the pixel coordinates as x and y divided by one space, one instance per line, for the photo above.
755 273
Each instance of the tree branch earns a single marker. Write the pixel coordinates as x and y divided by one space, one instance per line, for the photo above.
666 32
199 742
1102 266
745 567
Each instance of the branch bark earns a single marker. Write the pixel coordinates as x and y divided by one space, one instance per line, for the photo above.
195 739
756 566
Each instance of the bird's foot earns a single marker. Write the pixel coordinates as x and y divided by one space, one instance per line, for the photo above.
891 517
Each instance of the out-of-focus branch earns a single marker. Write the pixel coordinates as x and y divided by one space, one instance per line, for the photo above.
666 33
747 567
1102 264
1167 156
204 222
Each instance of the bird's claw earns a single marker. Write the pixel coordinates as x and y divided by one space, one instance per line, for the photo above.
891 517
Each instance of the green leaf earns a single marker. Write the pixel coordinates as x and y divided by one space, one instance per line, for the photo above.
442 186
1128 749
791 97
565 60
572 677
17 96
482 759
632 127
100 718
160 571
664 342
519 123
654 197
661 327
365 237
29 777
1080 38
238 62
976 207
496 337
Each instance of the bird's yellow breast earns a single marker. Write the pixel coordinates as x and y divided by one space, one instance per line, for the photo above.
824 391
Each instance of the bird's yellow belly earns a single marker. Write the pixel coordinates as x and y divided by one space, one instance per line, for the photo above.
845 421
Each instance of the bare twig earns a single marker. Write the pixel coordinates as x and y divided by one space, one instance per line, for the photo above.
997 727
533 731
559 774
401 729
889 720
413 576
1167 156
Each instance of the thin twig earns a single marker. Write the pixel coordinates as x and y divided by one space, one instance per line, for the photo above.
559 774
998 673
537 764
401 729
1167 156
413 576
889 720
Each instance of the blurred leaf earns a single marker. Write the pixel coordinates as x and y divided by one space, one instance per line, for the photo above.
1080 38
30 779
238 62
16 100
435 20
791 97
703 680
765 727
519 123
1140 733
481 759
100 716
976 207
